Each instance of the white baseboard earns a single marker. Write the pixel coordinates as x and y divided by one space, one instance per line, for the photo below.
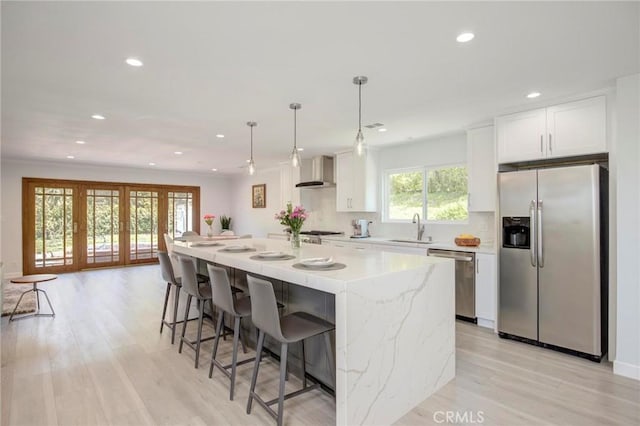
626 370
486 323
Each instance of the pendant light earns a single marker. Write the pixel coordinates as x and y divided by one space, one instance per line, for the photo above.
295 155
359 146
252 165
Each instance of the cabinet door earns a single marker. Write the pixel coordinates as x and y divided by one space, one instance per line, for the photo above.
486 285
289 177
577 128
344 181
521 136
364 195
482 169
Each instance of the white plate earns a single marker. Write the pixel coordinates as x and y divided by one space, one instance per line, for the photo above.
271 254
317 261
237 248
204 243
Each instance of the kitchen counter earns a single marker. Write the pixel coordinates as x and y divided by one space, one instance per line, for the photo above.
379 241
395 327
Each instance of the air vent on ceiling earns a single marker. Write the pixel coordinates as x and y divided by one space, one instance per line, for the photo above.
374 125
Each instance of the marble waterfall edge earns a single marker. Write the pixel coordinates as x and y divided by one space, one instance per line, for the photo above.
399 343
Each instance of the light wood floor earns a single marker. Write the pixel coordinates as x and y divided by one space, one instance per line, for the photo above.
101 361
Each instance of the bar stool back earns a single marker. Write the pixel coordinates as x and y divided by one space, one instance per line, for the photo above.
291 328
238 309
202 294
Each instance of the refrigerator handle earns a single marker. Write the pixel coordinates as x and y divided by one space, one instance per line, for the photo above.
540 242
541 144
533 237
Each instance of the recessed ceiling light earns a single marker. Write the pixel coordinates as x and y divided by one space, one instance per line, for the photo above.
300 149
214 170
178 152
70 157
382 129
80 142
134 62
220 135
533 95
152 164
465 37
98 117
248 161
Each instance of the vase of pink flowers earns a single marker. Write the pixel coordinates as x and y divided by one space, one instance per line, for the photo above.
208 219
293 217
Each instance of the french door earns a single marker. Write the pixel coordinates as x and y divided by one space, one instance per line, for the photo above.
73 225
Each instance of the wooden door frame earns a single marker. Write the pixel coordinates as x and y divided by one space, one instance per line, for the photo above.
79 186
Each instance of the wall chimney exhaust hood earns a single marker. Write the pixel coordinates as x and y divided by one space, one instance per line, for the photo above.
321 173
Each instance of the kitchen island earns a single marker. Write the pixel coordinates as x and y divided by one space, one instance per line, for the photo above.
394 316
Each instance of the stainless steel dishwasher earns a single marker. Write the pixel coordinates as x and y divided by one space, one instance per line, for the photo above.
465 281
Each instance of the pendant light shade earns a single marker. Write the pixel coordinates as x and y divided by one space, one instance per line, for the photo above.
359 146
295 155
252 165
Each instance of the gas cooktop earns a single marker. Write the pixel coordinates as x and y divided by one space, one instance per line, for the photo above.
320 233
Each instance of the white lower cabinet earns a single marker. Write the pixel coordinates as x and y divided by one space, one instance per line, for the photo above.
486 289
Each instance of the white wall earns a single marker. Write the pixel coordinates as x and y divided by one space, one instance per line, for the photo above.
246 219
627 361
215 194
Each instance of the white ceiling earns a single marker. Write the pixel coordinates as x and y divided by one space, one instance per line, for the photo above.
211 67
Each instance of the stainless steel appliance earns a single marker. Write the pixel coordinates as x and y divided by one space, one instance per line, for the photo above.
315 237
465 281
553 258
320 175
360 228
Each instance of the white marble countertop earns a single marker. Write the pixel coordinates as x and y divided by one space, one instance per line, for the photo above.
360 265
488 249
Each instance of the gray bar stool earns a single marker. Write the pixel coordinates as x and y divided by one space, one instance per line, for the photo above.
168 274
237 309
202 294
291 328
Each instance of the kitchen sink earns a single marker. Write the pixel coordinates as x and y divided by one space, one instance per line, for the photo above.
411 241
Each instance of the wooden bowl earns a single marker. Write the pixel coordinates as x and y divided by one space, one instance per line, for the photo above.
467 242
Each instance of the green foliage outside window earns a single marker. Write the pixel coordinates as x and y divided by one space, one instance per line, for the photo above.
446 194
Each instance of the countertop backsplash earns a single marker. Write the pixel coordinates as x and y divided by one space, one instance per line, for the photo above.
321 203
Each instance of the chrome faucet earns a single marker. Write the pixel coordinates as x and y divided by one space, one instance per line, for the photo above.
420 228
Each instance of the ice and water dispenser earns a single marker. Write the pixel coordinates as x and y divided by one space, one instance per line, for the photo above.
516 232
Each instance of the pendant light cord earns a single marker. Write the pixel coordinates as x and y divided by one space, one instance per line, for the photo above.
295 129
360 106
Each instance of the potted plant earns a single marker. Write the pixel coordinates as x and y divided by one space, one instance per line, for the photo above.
225 222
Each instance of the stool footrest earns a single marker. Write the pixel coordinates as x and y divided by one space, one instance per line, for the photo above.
225 368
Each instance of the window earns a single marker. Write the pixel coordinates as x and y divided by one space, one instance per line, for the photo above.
438 193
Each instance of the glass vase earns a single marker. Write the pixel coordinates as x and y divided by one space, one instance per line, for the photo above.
209 231
295 240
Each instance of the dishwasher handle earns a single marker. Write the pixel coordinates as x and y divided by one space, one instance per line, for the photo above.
449 255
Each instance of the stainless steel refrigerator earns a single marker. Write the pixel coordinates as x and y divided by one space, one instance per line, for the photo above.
553 258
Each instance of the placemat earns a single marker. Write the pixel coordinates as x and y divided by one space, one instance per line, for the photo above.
237 251
334 267
258 257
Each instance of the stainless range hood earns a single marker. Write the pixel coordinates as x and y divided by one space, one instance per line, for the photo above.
321 173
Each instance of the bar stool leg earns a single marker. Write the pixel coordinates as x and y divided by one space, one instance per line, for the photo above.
164 309
17 304
200 321
283 372
35 290
215 345
175 313
234 360
256 366
184 324
53 313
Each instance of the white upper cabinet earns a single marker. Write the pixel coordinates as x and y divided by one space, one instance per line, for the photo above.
520 136
577 128
482 169
356 182
573 128
289 177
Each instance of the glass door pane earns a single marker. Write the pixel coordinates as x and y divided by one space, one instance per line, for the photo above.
180 213
143 225
53 227
103 227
